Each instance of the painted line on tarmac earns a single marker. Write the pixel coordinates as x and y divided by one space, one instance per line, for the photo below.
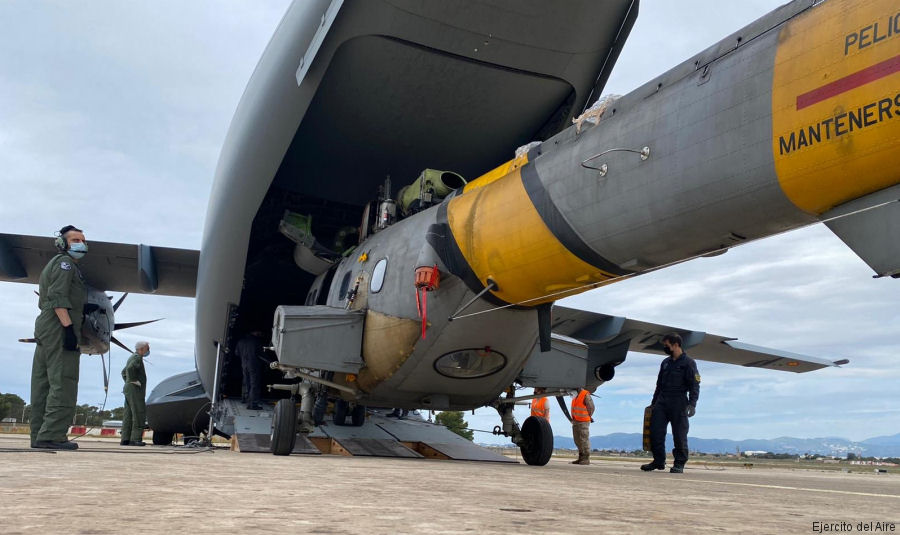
782 487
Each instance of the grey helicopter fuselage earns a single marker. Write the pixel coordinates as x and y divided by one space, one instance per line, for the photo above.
402 366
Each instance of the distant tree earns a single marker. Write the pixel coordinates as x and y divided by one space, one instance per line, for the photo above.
852 456
117 414
11 406
89 415
453 420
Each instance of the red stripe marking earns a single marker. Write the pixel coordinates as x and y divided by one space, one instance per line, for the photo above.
859 78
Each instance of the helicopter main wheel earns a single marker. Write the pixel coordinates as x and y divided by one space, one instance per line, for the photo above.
341 408
537 441
284 427
358 415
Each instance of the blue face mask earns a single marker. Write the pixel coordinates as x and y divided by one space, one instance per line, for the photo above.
78 250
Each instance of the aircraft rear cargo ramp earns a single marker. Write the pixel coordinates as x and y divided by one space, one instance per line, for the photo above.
379 436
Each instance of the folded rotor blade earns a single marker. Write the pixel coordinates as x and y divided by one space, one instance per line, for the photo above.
118 343
120 326
119 302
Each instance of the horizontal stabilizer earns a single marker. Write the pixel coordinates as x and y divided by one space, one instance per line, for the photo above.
603 331
117 267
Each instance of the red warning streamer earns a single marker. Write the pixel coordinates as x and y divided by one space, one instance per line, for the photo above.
428 279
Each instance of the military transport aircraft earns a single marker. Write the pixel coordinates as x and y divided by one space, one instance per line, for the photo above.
440 294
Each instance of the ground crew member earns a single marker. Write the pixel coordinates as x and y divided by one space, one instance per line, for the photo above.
57 330
582 410
250 350
674 400
135 391
539 406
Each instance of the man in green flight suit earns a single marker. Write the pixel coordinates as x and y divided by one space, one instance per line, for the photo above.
135 390
57 330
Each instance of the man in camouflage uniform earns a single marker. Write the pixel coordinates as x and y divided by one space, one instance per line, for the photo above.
57 330
135 391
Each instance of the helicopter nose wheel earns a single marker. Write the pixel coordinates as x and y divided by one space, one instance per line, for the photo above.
536 442
284 427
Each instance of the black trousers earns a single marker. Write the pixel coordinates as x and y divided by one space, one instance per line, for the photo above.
252 378
668 410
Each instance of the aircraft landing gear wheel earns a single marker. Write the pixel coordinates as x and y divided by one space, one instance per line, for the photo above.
341 408
163 439
537 441
358 416
284 427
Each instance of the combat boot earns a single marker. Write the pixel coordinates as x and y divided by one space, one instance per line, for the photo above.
124 442
50 445
649 467
136 443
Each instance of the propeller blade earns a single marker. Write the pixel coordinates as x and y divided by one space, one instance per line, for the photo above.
120 326
119 302
118 343
562 405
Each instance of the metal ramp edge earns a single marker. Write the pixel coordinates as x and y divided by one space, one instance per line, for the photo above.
437 442
364 447
457 452
412 438
262 443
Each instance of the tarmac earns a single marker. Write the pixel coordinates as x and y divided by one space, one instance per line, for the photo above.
107 488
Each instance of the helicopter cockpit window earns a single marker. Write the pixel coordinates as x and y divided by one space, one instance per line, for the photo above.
378 276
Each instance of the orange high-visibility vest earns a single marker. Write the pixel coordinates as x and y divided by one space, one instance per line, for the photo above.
579 409
539 408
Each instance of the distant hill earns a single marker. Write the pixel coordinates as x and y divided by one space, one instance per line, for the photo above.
892 440
883 446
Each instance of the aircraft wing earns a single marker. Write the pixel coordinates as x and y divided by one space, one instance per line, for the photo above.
606 331
118 267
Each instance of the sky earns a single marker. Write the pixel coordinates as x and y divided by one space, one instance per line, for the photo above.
112 116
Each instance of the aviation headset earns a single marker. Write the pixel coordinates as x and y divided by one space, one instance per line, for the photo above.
61 243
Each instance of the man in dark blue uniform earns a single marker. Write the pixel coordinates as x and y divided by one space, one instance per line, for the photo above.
674 400
250 350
